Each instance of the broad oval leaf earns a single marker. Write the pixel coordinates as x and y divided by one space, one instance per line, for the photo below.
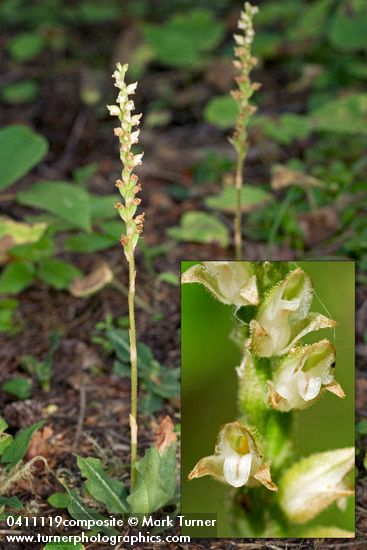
57 273
347 115
66 200
15 277
251 198
20 150
156 481
222 111
100 486
200 227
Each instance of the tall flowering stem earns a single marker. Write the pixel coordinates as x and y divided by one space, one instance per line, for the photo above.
129 187
244 62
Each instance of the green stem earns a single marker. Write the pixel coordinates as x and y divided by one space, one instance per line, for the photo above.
238 218
134 370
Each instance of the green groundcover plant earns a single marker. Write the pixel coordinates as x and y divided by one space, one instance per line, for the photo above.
273 492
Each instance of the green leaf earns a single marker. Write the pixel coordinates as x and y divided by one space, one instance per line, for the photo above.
200 227
89 242
26 46
59 500
251 198
7 311
348 28
67 201
169 277
101 487
222 111
185 39
11 502
5 439
16 277
286 128
57 273
102 207
20 150
19 387
78 510
18 447
113 229
346 115
33 252
24 91
156 481
64 546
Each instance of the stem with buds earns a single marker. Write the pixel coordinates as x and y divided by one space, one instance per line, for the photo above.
129 187
245 89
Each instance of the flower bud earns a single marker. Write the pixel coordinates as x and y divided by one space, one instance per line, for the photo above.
315 482
237 459
283 316
230 282
302 376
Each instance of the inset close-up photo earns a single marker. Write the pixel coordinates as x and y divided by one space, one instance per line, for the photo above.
268 397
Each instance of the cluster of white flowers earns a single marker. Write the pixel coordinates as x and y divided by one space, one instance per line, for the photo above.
299 373
128 136
244 63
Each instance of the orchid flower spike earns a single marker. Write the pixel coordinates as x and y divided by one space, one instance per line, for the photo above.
302 376
283 317
229 282
237 459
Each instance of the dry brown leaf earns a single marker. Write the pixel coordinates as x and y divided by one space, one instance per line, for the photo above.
319 224
282 176
93 282
40 443
165 435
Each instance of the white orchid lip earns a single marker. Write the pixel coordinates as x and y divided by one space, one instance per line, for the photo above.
302 375
232 283
237 459
237 469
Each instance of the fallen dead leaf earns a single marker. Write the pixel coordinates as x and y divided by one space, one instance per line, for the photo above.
319 225
93 282
165 435
282 177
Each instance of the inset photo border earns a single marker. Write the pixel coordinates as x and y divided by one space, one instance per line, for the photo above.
268 404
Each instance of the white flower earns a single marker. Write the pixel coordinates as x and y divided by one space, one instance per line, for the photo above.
240 40
237 460
114 110
302 375
283 317
130 88
315 482
135 120
230 282
137 159
134 137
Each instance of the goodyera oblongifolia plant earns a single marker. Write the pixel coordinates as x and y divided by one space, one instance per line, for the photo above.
129 187
244 63
278 375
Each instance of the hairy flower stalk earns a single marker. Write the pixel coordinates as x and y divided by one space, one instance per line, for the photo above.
278 375
245 89
129 187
